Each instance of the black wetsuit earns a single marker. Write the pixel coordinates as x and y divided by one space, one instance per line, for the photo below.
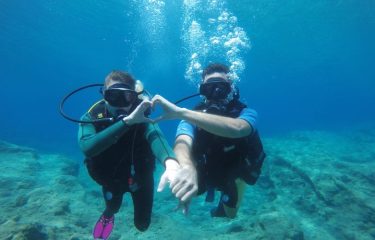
122 159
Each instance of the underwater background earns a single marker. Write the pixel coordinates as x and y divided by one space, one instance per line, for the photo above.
307 67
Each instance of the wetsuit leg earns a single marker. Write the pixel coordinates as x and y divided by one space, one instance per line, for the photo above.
113 201
142 201
230 209
230 200
229 196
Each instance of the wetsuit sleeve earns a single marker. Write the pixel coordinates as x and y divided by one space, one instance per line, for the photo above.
93 143
159 145
185 128
250 116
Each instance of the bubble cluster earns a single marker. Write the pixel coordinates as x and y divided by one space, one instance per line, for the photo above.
153 19
211 33
195 36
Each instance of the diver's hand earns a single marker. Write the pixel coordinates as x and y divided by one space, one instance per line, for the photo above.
185 184
172 167
138 115
172 172
170 110
183 180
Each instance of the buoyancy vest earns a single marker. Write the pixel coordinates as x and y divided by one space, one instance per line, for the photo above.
223 159
129 159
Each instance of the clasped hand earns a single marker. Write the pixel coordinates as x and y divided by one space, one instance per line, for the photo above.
182 180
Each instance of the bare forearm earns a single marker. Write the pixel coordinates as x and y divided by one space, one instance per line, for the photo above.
184 160
218 125
182 150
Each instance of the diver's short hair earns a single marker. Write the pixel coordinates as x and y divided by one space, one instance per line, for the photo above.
120 77
213 68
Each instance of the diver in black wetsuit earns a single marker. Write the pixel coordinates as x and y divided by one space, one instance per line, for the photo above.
120 155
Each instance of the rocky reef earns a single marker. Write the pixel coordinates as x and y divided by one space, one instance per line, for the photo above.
314 185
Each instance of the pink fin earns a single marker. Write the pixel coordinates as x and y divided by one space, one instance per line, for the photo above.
103 227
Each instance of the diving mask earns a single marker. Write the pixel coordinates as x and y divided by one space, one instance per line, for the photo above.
120 95
215 88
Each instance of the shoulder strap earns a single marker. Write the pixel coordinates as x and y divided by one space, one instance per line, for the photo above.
97 110
234 108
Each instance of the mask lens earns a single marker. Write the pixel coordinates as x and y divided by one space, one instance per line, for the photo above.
215 90
119 97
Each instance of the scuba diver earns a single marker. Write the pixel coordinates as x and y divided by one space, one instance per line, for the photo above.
121 143
217 143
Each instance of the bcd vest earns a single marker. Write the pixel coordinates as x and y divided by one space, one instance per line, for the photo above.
224 159
113 165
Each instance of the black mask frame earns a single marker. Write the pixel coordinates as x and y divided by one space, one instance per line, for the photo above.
215 88
120 95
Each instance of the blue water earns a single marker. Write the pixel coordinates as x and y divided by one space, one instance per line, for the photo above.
302 64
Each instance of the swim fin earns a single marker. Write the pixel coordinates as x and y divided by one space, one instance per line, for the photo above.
103 227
